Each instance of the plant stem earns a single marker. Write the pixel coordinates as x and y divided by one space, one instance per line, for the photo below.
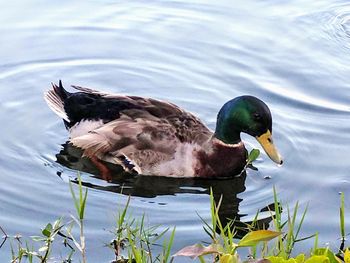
82 240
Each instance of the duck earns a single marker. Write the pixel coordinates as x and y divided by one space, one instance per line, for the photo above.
147 136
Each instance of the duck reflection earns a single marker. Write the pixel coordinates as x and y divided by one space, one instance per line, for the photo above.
152 186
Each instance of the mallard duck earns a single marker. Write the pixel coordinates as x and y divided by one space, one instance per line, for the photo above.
153 137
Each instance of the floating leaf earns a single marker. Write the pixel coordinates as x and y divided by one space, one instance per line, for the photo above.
253 155
254 237
197 250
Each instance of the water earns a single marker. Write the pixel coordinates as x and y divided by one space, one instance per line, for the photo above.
294 55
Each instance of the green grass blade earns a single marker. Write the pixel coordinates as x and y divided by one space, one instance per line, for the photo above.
83 204
169 245
76 203
342 216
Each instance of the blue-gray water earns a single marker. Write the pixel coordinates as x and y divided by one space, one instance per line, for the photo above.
294 55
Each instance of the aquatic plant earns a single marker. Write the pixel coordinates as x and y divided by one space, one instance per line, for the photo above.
224 249
135 242
80 203
132 236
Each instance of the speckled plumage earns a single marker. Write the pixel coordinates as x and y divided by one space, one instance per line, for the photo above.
143 135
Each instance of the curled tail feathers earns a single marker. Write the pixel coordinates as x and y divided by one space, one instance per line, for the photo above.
55 100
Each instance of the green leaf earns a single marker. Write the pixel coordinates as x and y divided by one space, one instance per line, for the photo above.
37 238
228 258
342 220
347 256
300 258
326 252
167 247
253 238
274 259
83 204
47 230
253 155
262 260
318 259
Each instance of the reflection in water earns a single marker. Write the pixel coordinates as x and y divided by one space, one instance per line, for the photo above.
152 186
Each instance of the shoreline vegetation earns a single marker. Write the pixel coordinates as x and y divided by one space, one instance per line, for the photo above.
134 241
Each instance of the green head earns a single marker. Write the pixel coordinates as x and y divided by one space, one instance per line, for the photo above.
250 115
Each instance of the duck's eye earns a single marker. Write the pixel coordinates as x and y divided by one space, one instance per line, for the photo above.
257 116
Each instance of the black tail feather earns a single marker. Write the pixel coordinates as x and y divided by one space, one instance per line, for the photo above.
60 90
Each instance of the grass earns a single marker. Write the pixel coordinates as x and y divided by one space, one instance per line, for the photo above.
138 240
286 233
80 203
134 241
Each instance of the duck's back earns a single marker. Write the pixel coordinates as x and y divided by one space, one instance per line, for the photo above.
145 131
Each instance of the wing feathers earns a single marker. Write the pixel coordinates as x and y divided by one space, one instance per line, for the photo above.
92 143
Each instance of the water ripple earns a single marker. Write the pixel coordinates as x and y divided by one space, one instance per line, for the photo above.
339 24
294 55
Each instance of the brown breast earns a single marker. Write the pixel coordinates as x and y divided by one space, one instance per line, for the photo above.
220 160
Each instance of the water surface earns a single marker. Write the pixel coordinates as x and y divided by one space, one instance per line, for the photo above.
294 55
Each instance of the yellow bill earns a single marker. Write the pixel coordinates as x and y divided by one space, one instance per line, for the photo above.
267 143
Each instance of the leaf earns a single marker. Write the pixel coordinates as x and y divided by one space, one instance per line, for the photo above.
347 256
317 259
47 230
37 238
300 258
274 259
262 260
327 253
228 258
253 238
167 246
197 250
342 219
253 155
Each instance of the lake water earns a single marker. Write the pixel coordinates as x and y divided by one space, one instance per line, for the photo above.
294 55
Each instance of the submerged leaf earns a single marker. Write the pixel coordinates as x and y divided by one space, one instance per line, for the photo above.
197 250
254 237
